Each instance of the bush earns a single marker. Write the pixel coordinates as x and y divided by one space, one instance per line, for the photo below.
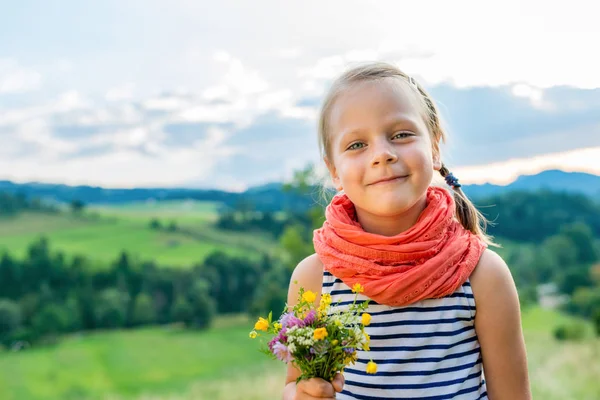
52 319
182 311
155 224
573 331
10 317
203 306
596 321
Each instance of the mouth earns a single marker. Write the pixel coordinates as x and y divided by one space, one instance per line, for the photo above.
391 180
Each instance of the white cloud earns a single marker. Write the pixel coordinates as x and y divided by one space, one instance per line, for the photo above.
17 79
535 95
166 103
289 53
119 93
503 173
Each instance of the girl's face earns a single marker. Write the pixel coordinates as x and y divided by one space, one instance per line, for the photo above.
381 151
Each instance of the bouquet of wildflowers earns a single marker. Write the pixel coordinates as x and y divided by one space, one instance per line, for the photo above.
318 340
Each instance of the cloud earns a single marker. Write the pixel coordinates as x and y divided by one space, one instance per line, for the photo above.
270 138
507 171
17 79
492 124
119 93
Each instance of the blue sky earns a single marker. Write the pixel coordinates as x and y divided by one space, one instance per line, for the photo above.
197 94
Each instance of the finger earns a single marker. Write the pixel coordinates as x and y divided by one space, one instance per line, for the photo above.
338 382
316 387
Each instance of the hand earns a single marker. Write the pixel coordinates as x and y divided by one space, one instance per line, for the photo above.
318 388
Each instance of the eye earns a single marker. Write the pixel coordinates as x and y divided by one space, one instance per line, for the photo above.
403 135
355 146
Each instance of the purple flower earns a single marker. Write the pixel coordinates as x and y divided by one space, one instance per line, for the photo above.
289 319
311 317
282 352
279 338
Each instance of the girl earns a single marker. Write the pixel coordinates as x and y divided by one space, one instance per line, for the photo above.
445 311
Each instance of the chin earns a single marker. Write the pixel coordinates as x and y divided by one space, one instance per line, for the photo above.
391 206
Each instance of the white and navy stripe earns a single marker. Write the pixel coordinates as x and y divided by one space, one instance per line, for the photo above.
427 350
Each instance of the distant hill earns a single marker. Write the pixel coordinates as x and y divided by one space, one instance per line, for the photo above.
272 197
555 180
269 197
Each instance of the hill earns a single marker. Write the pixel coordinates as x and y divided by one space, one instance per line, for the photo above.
555 180
272 197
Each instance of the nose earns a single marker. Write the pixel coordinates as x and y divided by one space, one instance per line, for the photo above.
384 153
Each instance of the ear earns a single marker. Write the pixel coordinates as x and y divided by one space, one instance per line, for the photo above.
334 176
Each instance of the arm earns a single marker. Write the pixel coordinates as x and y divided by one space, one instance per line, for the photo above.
498 326
309 275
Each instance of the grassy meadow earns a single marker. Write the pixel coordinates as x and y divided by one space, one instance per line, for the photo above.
103 232
224 364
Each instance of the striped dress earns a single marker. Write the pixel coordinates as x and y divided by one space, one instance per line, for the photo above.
428 350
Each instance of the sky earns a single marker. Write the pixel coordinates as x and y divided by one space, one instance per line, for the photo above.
226 94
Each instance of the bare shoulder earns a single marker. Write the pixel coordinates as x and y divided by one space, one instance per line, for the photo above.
498 327
491 277
307 274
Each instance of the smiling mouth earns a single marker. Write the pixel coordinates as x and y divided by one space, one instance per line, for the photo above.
388 181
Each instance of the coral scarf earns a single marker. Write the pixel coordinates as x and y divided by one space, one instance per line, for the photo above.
430 260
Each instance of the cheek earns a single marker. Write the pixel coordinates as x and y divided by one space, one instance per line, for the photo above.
349 170
418 158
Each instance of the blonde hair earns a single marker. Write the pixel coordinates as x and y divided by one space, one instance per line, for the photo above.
466 212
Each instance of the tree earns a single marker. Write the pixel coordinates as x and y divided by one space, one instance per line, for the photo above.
111 308
11 274
143 310
182 311
77 206
563 250
294 243
583 239
172 226
203 307
51 320
155 224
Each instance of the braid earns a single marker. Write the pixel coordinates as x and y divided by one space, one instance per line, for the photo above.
466 212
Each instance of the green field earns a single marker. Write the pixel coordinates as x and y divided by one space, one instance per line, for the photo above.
103 232
223 363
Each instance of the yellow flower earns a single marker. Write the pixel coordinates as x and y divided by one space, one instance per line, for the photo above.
366 319
320 333
358 288
277 326
371 367
253 335
261 325
325 300
309 296
334 342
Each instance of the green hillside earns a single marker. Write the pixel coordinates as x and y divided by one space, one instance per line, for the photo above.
223 363
102 233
